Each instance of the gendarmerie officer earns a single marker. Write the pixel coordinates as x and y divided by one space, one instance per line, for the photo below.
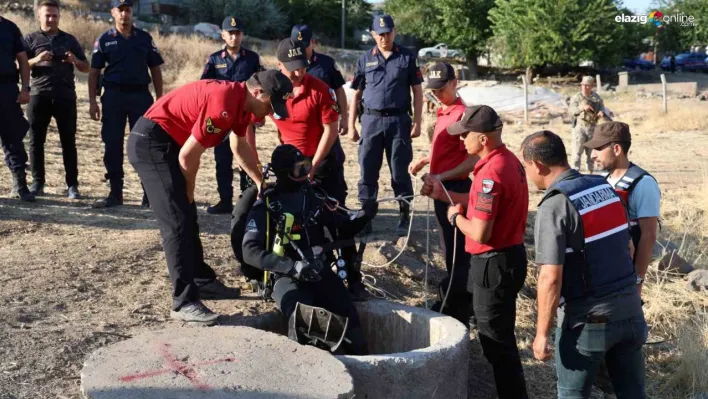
586 276
53 55
165 148
638 189
493 222
130 58
235 64
451 164
324 68
384 78
13 122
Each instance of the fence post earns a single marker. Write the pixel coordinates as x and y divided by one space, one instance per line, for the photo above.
526 98
598 82
663 91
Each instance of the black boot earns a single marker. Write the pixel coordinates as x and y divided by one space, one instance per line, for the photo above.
404 219
19 187
115 197
225 206
37 188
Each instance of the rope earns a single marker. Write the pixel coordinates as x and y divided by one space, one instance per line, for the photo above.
410 224
454 253
427 253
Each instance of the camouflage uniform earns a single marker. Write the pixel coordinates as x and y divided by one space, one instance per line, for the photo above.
584 126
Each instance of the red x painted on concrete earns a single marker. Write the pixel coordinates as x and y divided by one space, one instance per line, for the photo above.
178 367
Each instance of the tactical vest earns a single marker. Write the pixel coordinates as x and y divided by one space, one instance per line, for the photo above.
602 265
624 188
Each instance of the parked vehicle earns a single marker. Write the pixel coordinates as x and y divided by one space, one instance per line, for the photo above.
439 50
687 62
638 64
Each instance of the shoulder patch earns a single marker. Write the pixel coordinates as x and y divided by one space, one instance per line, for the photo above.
332 94
487 185
484 203
210 128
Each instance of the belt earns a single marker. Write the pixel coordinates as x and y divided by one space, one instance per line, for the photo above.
497 252
383 112
126 88
7 79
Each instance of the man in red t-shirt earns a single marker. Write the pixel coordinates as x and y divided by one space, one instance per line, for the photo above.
165 147
494 226
451 164
311 126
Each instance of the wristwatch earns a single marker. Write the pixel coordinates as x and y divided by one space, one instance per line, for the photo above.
26 88
453 217
640 280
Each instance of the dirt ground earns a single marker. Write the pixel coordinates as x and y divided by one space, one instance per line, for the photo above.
75 279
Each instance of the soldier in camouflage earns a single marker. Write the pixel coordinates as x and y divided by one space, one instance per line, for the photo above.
586 108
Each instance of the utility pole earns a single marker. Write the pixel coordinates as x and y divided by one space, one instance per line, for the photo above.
344 21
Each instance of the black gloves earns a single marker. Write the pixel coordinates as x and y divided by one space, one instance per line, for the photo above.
370 208
308 270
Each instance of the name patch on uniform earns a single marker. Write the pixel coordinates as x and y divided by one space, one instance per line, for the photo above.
210 128
220 66
111 43
374 63
484 203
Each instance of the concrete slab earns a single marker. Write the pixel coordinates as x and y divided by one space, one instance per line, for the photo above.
210 363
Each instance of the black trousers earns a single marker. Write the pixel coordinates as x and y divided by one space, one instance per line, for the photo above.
459 301
117 106
13 128
328 293
40 111
154 155
496 278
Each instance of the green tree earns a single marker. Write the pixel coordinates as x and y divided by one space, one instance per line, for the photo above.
533 33
677 37
460 24
324 17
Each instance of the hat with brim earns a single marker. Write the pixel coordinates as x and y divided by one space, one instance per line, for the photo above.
292 54
120 3
278 87
478 119
609 132
231 24
439 75
382 24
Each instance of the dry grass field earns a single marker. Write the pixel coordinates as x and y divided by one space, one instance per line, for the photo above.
75 278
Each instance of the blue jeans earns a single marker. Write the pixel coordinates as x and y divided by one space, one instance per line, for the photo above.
581 350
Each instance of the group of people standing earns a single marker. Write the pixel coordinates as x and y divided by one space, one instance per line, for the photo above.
593 234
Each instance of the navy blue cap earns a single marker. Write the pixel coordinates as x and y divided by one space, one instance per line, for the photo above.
301 33
118 3
232 23
382 24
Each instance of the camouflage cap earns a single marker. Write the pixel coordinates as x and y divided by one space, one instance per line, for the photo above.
588 81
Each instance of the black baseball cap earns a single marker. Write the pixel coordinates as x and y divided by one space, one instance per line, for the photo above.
439 74
609 132
301 33
278 87
382 24
478 119
232 23
292 54
118 3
